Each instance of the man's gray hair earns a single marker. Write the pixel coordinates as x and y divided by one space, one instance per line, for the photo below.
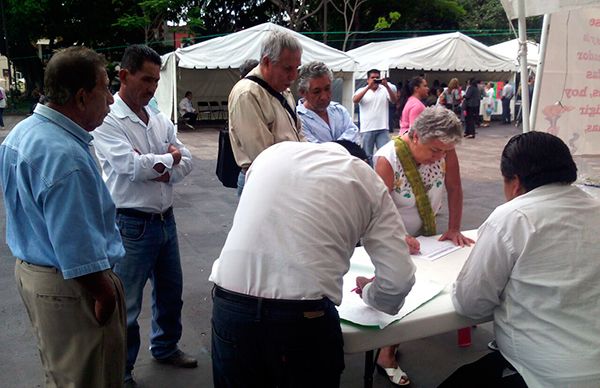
247 66
437 122
310 71
275 42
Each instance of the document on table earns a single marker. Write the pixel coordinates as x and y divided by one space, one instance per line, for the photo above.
432 249
353 309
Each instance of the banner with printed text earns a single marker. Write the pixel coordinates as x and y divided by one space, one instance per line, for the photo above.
569 103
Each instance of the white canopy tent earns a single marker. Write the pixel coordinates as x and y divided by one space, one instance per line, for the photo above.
451 52
209 69
511 49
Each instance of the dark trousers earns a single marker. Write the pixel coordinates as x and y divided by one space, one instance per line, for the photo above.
485 372
506 110
471 119
190 117
264 343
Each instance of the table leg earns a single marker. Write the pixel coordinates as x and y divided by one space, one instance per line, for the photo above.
369 369
464 337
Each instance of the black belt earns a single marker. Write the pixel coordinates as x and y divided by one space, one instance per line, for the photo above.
146 216
310 308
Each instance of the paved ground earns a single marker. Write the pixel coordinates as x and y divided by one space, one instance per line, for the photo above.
204 211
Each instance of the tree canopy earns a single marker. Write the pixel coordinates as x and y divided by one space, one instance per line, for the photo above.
109 26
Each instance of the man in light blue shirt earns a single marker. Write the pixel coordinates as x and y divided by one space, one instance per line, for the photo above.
61 227
322 119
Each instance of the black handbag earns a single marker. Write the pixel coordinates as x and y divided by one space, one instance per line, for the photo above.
227 169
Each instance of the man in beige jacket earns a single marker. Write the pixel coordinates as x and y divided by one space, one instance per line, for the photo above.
261 106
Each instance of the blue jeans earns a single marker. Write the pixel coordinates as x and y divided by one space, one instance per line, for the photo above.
265 343
241 182
506 110
372 139
151 252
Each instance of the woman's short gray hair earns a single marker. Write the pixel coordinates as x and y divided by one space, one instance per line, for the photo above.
310 71
276 42
437 122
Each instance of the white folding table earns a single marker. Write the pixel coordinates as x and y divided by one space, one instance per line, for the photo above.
434 317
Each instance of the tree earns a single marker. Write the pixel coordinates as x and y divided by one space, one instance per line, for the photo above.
298 11
150 16
349 11
489 15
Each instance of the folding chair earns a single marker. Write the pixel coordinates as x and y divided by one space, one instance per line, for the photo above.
204 109
225 109
215 110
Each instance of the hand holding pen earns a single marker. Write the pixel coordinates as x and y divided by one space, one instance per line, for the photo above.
361 282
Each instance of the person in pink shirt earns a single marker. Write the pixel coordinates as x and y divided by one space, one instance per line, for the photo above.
413 92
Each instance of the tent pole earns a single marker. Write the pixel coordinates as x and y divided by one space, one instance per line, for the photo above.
540 69
523 63
174 75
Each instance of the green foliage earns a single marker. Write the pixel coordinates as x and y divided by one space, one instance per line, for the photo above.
225 16
109 26
383 23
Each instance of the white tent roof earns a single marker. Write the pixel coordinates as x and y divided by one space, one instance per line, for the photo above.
231 50
540 7
511 49
443 52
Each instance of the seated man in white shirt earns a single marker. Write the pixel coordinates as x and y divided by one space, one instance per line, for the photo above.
322 119
279 275
187 111
535 268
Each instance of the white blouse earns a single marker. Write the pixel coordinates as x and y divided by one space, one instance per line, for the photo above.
433 178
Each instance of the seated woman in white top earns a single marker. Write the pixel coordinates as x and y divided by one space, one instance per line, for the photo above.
413 167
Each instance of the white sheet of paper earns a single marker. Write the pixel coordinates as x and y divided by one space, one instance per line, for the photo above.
353 308
432 249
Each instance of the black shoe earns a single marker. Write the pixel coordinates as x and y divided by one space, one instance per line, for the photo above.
180 360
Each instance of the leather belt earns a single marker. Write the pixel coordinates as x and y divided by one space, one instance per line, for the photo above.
308 308
144 215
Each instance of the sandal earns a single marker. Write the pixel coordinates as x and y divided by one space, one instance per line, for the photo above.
396 375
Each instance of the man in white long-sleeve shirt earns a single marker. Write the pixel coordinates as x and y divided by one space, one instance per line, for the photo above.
141 160
535 267
279 275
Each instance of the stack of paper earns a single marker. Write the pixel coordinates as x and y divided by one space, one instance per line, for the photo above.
353 308
432 249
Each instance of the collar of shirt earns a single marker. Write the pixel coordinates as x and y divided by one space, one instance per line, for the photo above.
64 122
302 110
121 110
287 93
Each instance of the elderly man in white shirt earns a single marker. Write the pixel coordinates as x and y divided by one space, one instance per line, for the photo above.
279 275
322 119
535 268
187 111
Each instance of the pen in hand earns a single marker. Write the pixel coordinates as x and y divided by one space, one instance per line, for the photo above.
361 282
